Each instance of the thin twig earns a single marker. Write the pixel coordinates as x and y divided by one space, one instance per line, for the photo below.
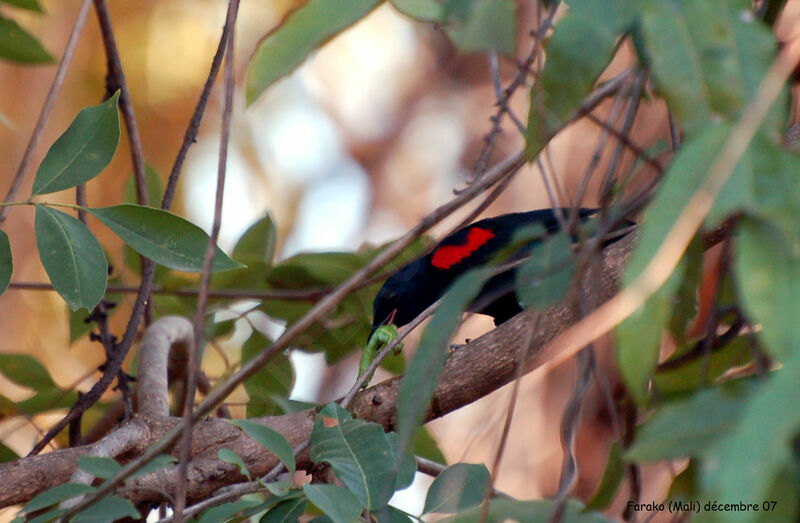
47 107
324 306
669 253
116 80
148 272
195 354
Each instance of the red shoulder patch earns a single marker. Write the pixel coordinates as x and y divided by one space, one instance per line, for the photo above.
448 255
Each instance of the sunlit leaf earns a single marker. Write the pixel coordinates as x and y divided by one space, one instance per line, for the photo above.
85 149
162 236
303 30
17 45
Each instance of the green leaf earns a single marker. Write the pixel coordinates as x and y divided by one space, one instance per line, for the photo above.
580 49
25 370
612 477
422 10
6 454
109 508
99 466
257 243
47 400
483 25
288 511
162 236
389 514
57 494
83 151
17 45
303 30
707 57
423 373
30 5
155 189
768 273
426 446
639 336
746 463
226 511
692 426
336 502
320 270
72 257
501 509
359 453
694 374
406 463
545 278
273 441
274 379
159 462
229 456
46 517
6 262
460 487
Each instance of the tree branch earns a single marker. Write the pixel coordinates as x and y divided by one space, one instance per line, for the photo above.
471 373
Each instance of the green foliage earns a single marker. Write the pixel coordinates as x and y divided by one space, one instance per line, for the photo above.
423 373
6 262
83 151
271 440
109 508
336 502
17 45
273 382
163 237
30 5
578 52
502 509
482 25
544 279
359 453
72 257
229 456
458 488
304 29
99 466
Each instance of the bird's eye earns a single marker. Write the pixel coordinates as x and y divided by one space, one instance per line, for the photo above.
389 294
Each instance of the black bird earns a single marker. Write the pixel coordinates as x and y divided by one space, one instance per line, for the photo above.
417 285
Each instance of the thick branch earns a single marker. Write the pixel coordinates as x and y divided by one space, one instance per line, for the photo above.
472 372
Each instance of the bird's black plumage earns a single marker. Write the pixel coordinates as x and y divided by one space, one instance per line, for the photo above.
417 285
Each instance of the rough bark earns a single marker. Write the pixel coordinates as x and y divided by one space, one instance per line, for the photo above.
471 372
